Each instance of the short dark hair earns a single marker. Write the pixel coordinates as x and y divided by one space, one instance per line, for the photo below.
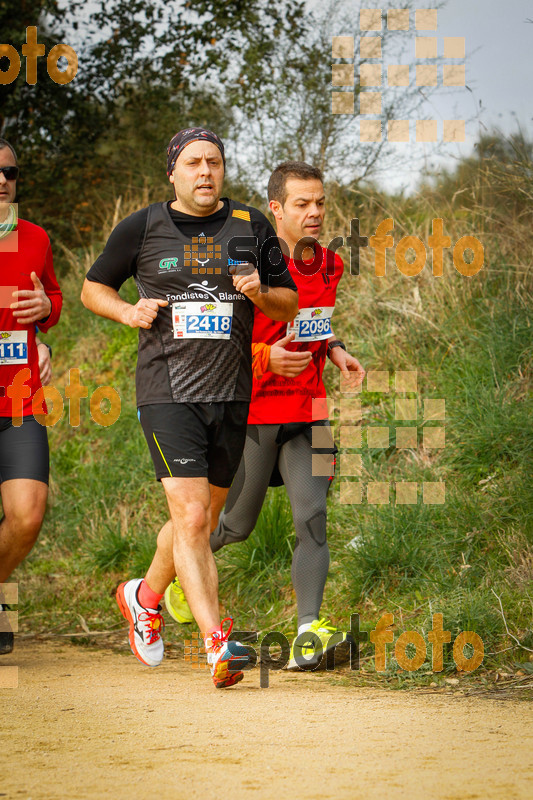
5 143
277 185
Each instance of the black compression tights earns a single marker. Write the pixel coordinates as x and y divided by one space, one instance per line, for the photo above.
307 494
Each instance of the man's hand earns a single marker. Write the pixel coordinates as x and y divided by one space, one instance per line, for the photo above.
246 280
287 362
350 367
143 313
45 363
31 305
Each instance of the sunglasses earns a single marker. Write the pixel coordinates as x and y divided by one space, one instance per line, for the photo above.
10 173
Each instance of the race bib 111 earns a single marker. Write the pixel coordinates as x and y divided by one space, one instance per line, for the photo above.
14 347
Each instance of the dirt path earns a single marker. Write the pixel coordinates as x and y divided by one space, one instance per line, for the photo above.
92 724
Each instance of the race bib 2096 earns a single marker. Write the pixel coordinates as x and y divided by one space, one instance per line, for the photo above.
311 324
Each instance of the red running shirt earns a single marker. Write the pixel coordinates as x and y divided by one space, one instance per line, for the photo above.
276 399
22 252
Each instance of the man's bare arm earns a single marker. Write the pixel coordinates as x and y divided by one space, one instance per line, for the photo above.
288 363
45 361
277 302
351 368
106 302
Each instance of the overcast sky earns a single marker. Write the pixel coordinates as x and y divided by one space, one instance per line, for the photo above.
499 77
499 73
499 62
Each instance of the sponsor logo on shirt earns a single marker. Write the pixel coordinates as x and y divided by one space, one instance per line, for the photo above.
199 253
202 291
169 263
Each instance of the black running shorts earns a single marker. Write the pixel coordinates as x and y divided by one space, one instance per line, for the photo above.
23 450
196 440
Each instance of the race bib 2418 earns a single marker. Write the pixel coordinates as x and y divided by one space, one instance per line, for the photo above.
205 320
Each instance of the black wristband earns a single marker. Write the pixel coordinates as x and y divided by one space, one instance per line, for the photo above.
48 346
335 343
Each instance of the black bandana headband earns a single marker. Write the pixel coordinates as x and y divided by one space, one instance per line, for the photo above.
185 137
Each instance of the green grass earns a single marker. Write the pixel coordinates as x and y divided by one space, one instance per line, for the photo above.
469 341
255 574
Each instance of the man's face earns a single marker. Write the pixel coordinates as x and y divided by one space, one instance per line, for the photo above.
302 214
8 189
198 177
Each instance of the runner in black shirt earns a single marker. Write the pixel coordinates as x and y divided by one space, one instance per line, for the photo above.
200 263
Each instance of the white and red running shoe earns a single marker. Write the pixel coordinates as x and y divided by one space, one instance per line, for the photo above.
227 658
145 624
